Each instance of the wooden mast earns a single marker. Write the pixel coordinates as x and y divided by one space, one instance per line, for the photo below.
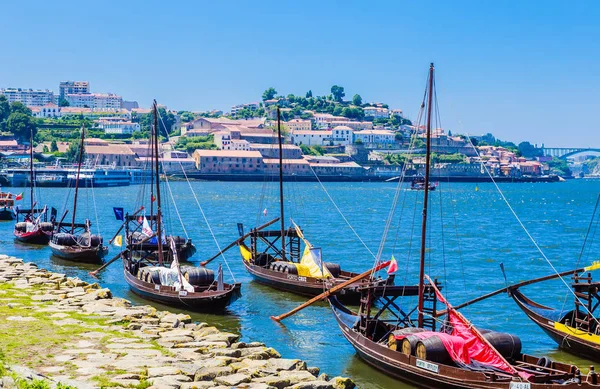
281 185
425 201
31 171
157 172
77 179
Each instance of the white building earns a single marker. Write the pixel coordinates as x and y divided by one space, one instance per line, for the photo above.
310 138
117 126
47 111
375 137
377 112
95 100
342 135
251 106
298 125
29 97
73 87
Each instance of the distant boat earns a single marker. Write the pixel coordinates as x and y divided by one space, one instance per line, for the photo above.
75 241
418 183
7 204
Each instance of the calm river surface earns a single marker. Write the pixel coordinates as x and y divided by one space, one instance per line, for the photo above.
476 233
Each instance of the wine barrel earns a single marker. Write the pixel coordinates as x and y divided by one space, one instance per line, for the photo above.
290 268
263 259
432 349
141 274
393 342
153 276
199 276
96 240
508 345
21 226
64 239
46 226
179 241
408 346
334 268
279 266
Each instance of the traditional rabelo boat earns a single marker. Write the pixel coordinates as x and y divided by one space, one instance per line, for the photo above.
34 228
414 346
151 263
75 241
276 258
7 205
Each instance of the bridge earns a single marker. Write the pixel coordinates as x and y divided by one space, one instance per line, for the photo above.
566 152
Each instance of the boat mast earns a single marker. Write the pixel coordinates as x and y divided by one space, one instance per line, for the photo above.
425 201
281 184
31 169
157 172
77 179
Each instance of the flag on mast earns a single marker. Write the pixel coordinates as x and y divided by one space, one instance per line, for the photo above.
393 266
19 196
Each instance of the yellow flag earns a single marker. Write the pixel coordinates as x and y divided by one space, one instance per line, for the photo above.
118 241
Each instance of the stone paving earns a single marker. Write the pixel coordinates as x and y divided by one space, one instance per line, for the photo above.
93 340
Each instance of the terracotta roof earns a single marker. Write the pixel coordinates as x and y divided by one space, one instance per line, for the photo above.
288 161
227 153
111 149
272 146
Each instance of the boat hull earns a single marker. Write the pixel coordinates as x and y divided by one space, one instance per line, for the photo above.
304 286
7 214
206 301
78 253
571 344
34 237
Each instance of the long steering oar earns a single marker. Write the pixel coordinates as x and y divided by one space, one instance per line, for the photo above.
330 291
123 225
95 272
593 266
237 241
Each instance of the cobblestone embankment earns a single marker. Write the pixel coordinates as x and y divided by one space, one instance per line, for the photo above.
62 332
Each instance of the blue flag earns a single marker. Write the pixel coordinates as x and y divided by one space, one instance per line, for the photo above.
118 213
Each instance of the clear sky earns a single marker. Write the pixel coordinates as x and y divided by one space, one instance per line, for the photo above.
523 70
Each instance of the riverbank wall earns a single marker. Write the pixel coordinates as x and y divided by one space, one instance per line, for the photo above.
62 332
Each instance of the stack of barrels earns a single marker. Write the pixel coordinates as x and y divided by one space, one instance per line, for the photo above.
292 267
432 348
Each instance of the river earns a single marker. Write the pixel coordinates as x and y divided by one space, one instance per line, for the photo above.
466 246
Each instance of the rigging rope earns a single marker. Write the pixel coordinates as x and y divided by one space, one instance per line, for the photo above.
539 249
207 223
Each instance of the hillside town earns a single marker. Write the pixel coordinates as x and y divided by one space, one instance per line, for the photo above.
323 136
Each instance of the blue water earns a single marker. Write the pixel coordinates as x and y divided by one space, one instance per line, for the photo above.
465 247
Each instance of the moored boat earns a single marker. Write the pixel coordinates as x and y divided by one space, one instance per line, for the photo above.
151 263
75 241
7 204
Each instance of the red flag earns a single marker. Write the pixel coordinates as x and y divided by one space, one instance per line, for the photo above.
19 196
152 198
393 267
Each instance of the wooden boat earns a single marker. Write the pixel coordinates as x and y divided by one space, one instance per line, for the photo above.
7 204
410 344
418 183
146 258
35 228
276 258
576 330
75 241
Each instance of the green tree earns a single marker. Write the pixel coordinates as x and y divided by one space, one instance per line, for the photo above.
309 94
269 94
63 102
186 116
72 153
18 107
53 146
165 121
337 111
357 100
4 108
45 149
338 93
21 125
528 150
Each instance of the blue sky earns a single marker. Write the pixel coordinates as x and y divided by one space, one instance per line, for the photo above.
521 70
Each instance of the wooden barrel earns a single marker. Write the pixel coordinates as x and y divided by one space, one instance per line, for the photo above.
96 240
508 345
290 268
21 226
141 274
46 226
432 349
199 276
408 346
334 268
153 276
64 239
393 343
